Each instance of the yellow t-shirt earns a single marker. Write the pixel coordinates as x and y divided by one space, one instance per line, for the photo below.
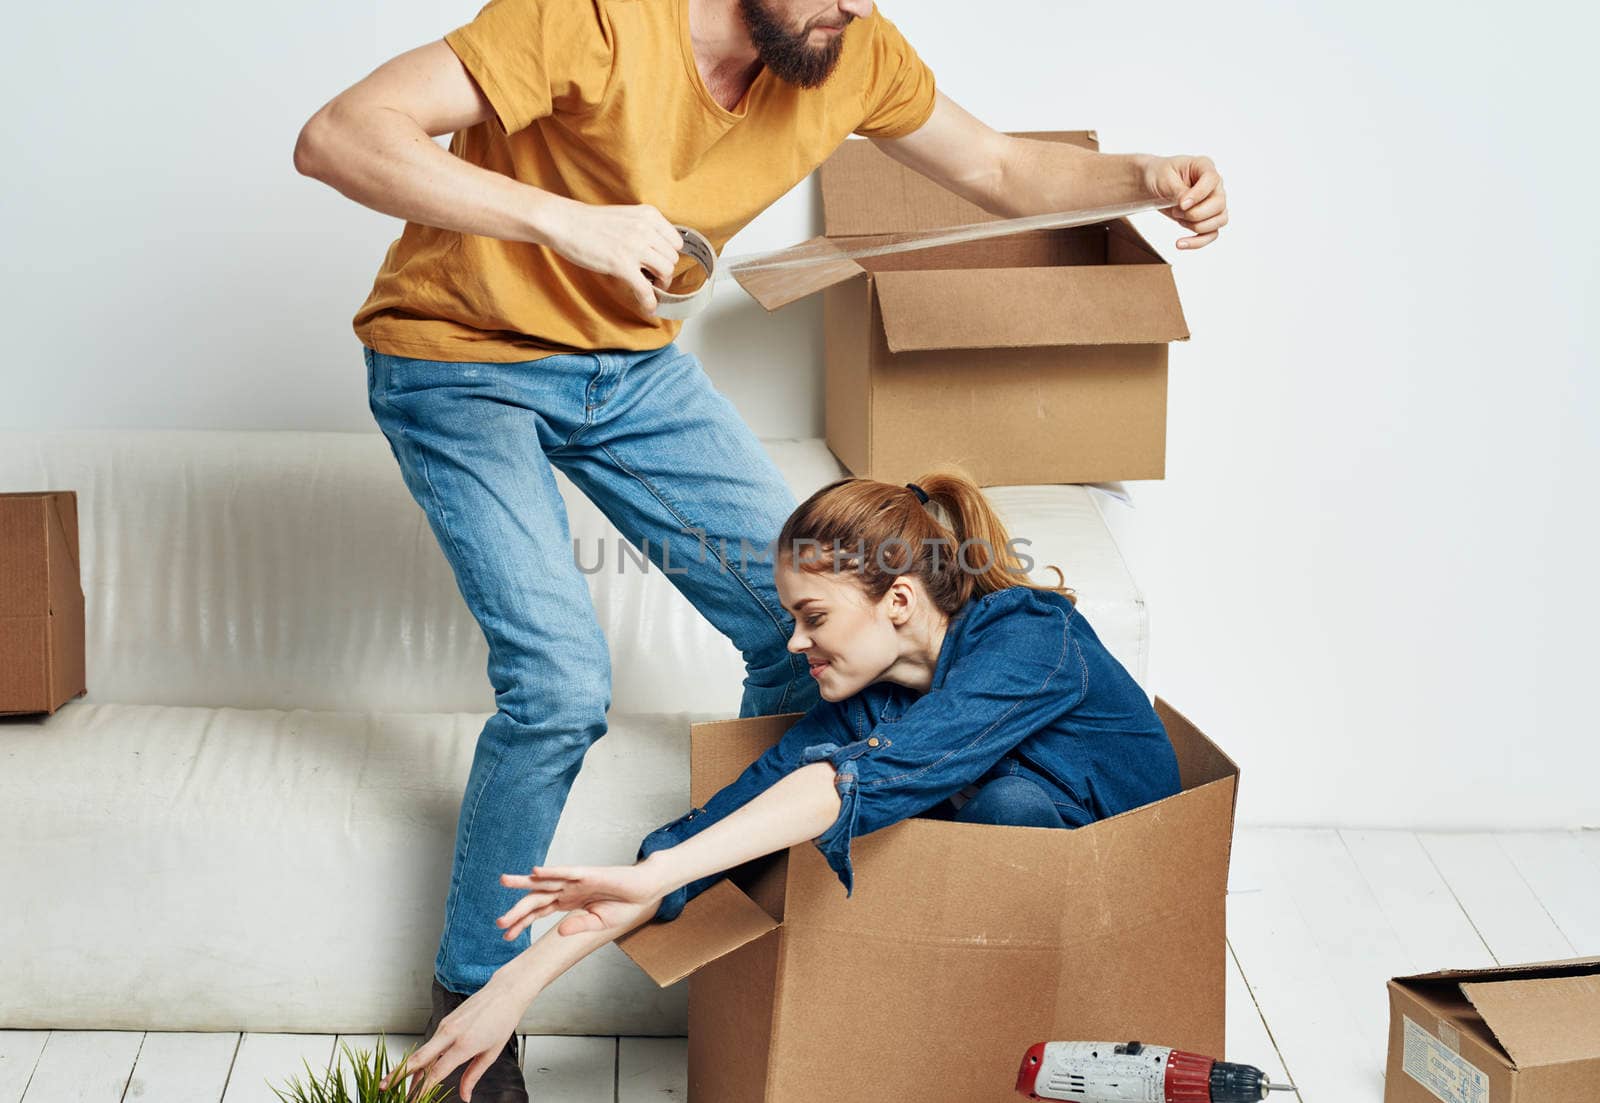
600 101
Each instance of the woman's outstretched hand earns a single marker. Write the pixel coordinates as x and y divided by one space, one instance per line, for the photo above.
599 897
474 1032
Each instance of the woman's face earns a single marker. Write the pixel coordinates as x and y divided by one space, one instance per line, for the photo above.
849 639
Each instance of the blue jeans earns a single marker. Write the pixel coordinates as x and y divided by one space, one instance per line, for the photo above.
1012 795
1012 800
664 455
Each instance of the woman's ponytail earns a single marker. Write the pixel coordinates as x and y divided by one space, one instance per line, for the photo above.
981 537
949 536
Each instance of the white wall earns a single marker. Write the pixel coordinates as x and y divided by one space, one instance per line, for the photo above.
1365 565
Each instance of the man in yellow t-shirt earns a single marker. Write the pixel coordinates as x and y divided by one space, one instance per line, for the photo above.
511 327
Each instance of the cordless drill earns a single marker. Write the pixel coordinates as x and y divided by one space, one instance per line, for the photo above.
1132 1072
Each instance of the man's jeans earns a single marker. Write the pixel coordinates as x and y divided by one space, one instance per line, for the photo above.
662 453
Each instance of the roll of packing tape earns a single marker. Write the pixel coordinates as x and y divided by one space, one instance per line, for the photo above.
677 305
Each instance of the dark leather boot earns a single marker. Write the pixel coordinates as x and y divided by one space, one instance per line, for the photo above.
501 1082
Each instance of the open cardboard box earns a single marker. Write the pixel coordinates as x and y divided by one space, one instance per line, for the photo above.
41 602
1037 357
962 945
1517 1033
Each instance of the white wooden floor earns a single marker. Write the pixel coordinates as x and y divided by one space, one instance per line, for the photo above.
1318 920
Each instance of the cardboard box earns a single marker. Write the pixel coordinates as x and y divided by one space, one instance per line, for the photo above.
963 944
41 602
1514 1034
1038 357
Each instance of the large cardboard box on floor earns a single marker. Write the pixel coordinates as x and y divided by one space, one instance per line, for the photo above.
1038 357
41 602
962 945
1513 1034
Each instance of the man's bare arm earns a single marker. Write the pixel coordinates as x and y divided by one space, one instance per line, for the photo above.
1011 176
374 143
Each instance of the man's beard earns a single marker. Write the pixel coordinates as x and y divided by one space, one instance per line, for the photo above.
787 53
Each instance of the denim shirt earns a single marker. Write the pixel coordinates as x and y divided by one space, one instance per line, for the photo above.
1021 683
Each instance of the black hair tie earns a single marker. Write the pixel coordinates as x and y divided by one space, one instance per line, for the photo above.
922 495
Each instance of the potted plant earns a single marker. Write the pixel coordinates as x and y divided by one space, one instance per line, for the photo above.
368 1069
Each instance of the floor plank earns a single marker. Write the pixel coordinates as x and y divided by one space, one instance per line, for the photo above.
265 1061
650 1069
176 1065
1316 1031
19 1054
84 1066
1359 946
575 1069
1501 906
1565 881
1249 1041
1434 931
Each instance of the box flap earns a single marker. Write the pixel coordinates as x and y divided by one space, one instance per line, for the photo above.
1564 967
865 191
1543 1020
724 917
1200 761
66 587
719 750
1124 304
775 287
718 921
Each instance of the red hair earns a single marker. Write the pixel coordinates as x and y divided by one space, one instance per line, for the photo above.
880 531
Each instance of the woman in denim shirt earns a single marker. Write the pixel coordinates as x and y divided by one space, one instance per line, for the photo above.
951 686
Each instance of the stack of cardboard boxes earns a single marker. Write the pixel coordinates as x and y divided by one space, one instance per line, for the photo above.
1036 357
1039 357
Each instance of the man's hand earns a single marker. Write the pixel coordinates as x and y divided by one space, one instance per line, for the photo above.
623 241
1195 186
599 897
476 1031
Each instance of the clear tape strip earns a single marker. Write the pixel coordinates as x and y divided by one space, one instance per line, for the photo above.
687 304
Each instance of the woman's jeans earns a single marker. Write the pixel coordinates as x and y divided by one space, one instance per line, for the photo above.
1014 795
1012 800
665 456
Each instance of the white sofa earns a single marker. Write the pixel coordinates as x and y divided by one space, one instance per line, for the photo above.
247 822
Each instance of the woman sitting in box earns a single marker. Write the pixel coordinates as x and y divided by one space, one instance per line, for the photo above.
951 686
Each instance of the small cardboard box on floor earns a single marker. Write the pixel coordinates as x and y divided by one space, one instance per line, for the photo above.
1036 357
1513 1034
962 945
41 602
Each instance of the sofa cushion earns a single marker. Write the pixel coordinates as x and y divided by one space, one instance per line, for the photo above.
183 868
